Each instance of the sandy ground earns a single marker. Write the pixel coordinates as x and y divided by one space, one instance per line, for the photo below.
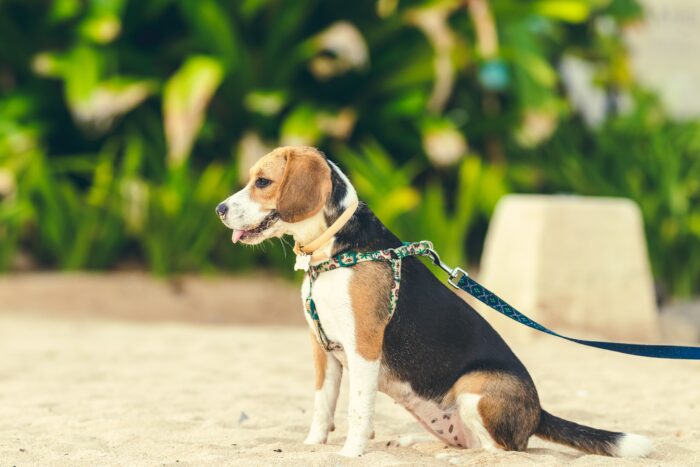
100 392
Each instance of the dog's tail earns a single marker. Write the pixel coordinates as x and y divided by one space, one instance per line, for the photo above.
591 440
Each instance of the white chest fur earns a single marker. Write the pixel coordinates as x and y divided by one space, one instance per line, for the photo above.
331 294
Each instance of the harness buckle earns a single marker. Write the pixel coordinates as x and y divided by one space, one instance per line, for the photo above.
454 274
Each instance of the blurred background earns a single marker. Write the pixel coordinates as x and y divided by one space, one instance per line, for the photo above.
123 123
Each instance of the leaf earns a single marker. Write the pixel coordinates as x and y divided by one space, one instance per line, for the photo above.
214 30
538 68
300 127
81 69
574 11
186 96
103 23
268 102
101 29
62 10
110 99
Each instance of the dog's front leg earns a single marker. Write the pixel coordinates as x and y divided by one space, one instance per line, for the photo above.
364 379
329 372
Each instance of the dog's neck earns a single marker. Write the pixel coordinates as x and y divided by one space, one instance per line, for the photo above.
321 246
308 230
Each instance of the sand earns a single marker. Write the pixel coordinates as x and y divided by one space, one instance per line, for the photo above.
80 392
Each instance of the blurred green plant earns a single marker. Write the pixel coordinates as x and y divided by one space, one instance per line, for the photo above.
386 188
18 148
447 217
123 123
441 215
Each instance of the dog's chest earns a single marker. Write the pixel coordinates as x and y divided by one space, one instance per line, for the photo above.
331 295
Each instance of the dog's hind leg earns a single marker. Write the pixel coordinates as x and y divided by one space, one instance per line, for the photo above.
501 410
329 372
473 421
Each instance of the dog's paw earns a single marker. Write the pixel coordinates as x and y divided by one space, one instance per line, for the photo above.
353 448
351 451
402 442
316 438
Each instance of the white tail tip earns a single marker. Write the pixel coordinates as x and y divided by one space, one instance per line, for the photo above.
631 445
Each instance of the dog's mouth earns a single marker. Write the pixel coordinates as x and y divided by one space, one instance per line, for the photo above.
249 234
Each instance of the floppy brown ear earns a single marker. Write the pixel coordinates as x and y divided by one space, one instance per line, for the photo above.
305 187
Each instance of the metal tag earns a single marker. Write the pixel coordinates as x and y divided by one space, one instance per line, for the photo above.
302 263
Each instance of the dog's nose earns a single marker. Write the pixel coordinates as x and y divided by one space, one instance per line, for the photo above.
221 210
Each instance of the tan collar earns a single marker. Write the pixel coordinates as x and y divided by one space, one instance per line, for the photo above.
320 241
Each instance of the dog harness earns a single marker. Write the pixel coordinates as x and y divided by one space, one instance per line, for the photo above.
393 256
459 279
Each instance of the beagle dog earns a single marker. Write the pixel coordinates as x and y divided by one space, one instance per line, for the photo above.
435 355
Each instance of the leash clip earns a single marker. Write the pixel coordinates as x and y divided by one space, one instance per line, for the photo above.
455 274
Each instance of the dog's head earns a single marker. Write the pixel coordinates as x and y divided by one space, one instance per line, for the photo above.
287 186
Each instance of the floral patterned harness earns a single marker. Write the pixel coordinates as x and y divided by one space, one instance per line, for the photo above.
346 260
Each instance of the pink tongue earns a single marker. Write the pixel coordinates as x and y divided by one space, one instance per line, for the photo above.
237 234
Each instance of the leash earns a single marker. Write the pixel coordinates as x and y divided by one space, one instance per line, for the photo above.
458 278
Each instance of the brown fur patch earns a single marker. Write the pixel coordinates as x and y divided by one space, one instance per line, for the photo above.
271 167
369 295
305 186
509 406
320 361
301 182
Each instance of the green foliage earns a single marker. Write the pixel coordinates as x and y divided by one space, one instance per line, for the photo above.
123 123
386 188
478 188
75 229
429 215
17 150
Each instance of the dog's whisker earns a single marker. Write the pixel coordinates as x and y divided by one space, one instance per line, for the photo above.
284 247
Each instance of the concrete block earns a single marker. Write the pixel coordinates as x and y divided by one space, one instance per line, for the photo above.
572 264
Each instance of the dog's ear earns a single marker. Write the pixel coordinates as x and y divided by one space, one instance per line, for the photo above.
305 187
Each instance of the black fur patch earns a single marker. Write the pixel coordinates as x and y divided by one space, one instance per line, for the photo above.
339 190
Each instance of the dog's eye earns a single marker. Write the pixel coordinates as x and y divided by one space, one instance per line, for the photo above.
262 182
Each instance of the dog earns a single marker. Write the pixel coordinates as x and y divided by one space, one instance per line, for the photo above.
435 355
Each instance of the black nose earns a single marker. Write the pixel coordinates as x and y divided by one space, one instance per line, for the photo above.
221 210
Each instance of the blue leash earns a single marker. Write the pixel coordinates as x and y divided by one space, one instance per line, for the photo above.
484 295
